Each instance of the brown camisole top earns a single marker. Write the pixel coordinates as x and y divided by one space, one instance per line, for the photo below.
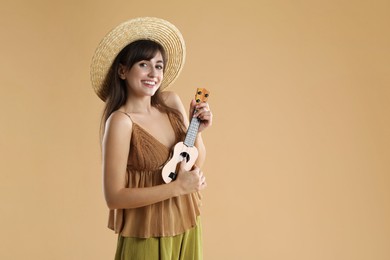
170 217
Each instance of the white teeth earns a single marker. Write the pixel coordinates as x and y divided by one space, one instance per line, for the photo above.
150 82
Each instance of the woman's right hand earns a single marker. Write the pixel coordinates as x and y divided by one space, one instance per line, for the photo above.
190 181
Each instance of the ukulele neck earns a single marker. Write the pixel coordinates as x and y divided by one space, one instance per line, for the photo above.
192 132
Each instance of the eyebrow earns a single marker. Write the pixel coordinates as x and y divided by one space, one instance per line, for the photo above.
159 61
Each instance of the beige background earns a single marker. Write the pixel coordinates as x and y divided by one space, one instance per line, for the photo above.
298 157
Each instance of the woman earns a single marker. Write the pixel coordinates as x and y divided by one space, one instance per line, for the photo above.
131 66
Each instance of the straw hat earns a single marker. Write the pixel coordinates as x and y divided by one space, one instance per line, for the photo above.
144 28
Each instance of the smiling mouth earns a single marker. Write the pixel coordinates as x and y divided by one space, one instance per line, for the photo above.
149 83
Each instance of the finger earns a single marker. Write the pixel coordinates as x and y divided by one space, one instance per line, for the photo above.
195 167
182 165
195 170
201 108
203 186
205 114
202 105
206 118
202 112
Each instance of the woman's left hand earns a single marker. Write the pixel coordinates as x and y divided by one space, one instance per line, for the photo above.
203 113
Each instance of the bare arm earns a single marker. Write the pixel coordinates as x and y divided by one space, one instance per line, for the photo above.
116 146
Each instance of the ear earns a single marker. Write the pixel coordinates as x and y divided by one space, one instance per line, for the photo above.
122 71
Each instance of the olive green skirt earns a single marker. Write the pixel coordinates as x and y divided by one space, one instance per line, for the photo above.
186 246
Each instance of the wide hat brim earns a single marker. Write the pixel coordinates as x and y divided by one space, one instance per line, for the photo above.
144 28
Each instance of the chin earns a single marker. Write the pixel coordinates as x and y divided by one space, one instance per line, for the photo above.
155 91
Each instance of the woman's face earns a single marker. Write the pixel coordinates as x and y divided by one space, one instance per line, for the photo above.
144 77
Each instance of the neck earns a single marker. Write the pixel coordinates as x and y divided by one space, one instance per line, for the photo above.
138 105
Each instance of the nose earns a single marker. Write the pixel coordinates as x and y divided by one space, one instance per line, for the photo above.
152 72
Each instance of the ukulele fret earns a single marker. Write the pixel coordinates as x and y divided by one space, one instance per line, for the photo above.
192 132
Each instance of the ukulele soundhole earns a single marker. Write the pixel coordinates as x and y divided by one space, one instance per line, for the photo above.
185 156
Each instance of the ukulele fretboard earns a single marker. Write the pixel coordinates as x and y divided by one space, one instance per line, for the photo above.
192 131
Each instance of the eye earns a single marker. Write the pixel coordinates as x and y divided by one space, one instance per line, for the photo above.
159 67
143 64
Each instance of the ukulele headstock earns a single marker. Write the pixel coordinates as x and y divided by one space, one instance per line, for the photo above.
201 95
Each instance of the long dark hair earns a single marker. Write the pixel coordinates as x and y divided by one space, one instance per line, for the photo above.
117 91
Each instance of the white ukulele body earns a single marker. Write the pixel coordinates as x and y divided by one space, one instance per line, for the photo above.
180 152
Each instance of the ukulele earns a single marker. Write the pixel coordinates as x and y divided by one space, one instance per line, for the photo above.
185 150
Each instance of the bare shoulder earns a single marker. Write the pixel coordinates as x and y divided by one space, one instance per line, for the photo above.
172 99
118 122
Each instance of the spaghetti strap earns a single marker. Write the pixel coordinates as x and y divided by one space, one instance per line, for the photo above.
126 115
